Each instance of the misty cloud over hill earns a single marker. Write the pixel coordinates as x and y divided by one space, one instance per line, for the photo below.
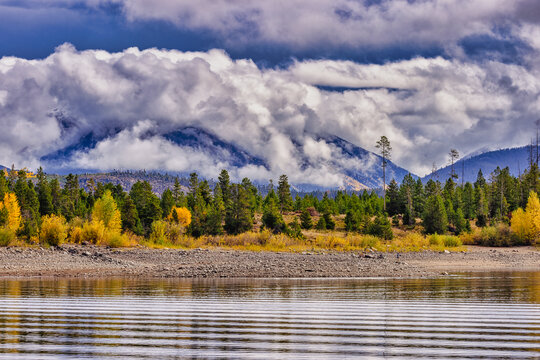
127 106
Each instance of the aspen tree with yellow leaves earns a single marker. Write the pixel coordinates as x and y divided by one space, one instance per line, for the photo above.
526 224
180 216
10 205
106 211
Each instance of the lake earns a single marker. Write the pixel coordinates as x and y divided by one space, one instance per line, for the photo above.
490 316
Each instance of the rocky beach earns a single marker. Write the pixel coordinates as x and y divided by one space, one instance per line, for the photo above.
93 261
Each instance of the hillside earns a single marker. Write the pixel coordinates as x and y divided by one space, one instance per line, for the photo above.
358 168
516 159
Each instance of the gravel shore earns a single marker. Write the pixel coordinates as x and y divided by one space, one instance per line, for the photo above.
93 261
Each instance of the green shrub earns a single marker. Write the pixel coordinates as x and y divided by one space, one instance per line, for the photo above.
500 235
159 232
380 227
436 240
6 237
451 241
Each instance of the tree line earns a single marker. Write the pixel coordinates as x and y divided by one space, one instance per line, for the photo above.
234 208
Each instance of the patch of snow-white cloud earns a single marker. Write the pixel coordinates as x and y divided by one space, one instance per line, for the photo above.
130 100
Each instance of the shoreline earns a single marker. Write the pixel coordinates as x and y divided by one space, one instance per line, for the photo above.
78 261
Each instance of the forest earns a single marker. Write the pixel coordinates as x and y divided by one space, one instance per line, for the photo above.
501 210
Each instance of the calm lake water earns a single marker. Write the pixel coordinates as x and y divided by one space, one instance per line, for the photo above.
468 316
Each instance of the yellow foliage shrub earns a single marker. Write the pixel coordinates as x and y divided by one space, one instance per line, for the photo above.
11 205
117 240
7 237
180 216
93 232
75 235
53 230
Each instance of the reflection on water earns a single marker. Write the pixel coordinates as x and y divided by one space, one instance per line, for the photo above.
468 316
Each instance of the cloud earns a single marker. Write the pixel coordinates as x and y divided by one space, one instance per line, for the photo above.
304 23
129 101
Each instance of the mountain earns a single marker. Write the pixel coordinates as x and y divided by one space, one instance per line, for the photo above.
369 176
517 160
360 169
210 144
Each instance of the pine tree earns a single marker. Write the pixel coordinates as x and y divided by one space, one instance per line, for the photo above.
216 213
468 201
351 221
178 194
284 194
393 198
306 220
330 223
147 204
435 219
167 202
482 211
238 217
272 218
224 185
380 227
3 185
321 224
130 216
384 145
44 194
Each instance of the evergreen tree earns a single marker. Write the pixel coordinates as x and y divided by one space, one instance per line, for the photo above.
384 145
419 197
393 198
193 188
56 193
482 211
284 194
130 216
380 227
306 220
254 197
147 204
3 185
321 224
468 201
167 202
216 213
330 223
224 185
238 217
272 218
178 194
480 180
44 194
435 219
432 188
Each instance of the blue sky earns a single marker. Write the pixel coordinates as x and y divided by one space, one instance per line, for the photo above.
430 74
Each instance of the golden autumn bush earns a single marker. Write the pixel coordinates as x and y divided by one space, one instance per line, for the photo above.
180 216
53 230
